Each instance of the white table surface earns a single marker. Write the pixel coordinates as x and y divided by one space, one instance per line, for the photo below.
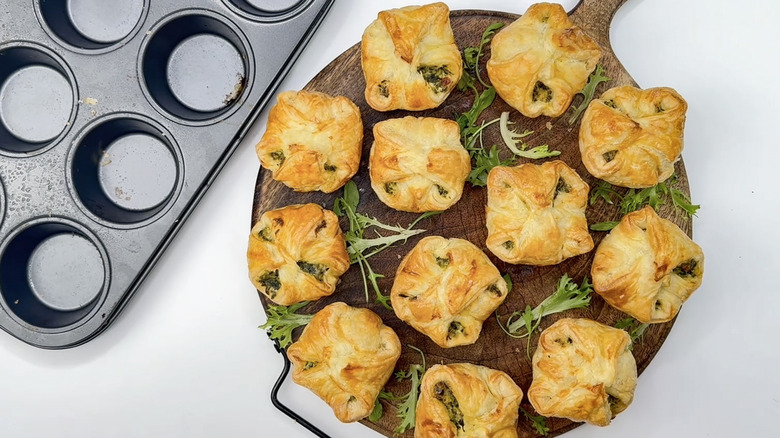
186 358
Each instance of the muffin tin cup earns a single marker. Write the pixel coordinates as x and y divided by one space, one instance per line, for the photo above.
125 170
91 26
267 10
54 274
196 67
38 96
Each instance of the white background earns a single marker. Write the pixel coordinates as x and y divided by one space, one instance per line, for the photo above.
186 358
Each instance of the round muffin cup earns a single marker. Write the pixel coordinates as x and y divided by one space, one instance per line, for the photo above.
92 26
38 98
125 170
267 10
53 273
195 67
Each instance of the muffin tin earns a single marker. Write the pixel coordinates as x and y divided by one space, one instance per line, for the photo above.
115 117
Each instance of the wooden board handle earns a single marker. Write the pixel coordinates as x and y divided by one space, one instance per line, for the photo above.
595 16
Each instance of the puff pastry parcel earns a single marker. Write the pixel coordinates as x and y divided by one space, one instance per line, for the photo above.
345 355
445 289
631 137
464 400
418 164
410 59
297 253
313 141
541 61
536 213
647 267
583 371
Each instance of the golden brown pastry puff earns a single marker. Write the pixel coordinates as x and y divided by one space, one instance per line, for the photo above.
631 137
313 141
445 289
536 213
647 267
297 253
418 164
345 355
583 371
409 58
541 61
464 400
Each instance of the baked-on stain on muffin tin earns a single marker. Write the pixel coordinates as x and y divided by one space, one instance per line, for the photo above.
115 117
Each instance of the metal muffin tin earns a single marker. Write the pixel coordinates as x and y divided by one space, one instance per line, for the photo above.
115 117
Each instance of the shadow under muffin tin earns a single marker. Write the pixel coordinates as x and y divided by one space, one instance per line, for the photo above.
115 117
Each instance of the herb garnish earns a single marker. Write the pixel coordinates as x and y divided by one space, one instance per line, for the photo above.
282 320
634 328
539 422
360 248
471 55
567 296
594 80
407 409
634 199
515 143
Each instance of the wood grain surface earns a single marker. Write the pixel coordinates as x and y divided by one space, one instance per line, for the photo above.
467 218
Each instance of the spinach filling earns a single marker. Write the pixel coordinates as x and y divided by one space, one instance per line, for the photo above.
317 270
309 365
494 290
266 235
561 187
686 269
443 262
270 281
278 156
442 190
455 329
443 393
542 93
436 75
383 91
609 156
390 187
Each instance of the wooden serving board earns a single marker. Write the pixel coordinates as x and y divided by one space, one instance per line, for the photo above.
467 218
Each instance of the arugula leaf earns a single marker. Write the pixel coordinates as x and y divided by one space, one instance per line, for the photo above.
682 201
634 328
604 226
542 151
514 141
594 80
539 422
471 55
567 296
634 199
508 281
468 120
283 320
378 410
603 190
467 82
360 248
408 408
484 163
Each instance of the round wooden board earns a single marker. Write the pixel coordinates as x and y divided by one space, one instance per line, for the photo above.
467 218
